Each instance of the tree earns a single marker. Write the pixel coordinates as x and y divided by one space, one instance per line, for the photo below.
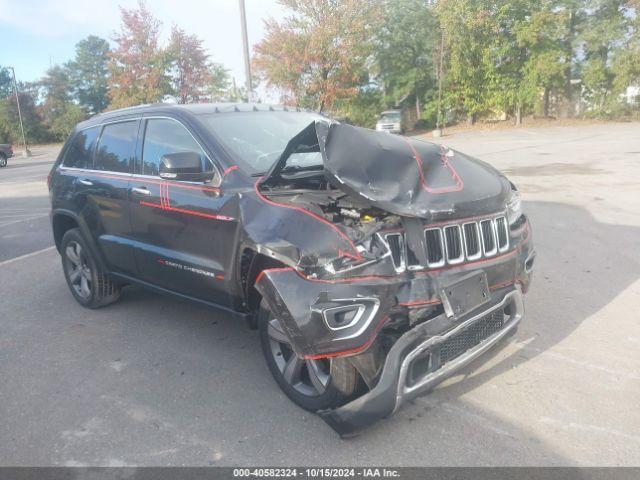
6 82
468 27
626 58
544 69
190 70
219 83
407 46
137 65
59 112
318 54
606 30
89 72
10 125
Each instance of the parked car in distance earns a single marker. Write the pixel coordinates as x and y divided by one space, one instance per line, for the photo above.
390 121
373 266
6 152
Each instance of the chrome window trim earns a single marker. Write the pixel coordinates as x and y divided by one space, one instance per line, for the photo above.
460 258
130 175
165 117
464 237
93 170
442 248
143 117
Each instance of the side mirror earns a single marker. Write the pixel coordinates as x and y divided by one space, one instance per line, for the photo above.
183 166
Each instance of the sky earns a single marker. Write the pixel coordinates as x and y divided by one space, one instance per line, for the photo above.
35 34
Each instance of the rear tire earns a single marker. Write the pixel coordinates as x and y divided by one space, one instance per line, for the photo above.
88 283
311 384
3 160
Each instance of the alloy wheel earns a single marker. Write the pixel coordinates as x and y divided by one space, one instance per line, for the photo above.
307 377
78 270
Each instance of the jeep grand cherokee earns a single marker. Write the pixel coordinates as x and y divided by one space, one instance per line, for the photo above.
374 266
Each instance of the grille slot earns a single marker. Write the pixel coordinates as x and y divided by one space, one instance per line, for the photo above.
453 347
472 240
502 236
488 238
453 244
435 250
396 246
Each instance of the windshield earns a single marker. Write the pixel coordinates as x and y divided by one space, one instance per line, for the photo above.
258 138
390 117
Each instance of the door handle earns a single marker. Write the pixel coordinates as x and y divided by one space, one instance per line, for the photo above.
86 182
141 190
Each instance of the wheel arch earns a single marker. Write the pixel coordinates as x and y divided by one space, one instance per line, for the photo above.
250 265
64 220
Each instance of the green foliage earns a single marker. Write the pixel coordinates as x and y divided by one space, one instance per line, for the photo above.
59 112
35 131
363 109
219 88
6 82
88 73
407 50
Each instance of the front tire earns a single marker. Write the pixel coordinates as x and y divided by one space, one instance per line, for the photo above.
3 160
310 384
88 283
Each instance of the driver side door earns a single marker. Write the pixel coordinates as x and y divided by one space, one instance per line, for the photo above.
181 240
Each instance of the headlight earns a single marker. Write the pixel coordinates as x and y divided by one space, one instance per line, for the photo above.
514 206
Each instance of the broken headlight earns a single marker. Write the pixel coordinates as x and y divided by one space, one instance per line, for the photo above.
514 206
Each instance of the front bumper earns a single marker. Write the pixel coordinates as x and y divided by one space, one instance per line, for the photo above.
384 357
396 385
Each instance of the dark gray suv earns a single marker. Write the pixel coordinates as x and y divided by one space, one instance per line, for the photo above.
373 265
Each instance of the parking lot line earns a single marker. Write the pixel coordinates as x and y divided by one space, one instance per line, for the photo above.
27 255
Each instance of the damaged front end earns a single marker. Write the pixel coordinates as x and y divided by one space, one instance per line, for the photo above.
407 260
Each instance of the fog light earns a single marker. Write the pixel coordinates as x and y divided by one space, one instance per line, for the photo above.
338 318
349 316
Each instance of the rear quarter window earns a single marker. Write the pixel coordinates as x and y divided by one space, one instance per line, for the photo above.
79 153
116 148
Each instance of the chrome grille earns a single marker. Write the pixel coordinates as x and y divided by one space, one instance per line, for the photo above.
433 241
502 235
452 244
396 246
472 240
488 238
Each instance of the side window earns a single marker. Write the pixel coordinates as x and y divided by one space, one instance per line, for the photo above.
116 148
164 136
79 153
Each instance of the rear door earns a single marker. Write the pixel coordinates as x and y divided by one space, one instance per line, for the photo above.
106 192
184 241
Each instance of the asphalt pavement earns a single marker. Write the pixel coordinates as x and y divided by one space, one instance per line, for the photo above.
153 380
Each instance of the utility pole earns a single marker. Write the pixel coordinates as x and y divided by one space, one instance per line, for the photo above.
245 44
25 152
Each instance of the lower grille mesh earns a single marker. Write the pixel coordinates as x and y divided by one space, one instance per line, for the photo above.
472 336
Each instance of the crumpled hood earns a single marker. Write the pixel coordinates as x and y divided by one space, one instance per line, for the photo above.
401 175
